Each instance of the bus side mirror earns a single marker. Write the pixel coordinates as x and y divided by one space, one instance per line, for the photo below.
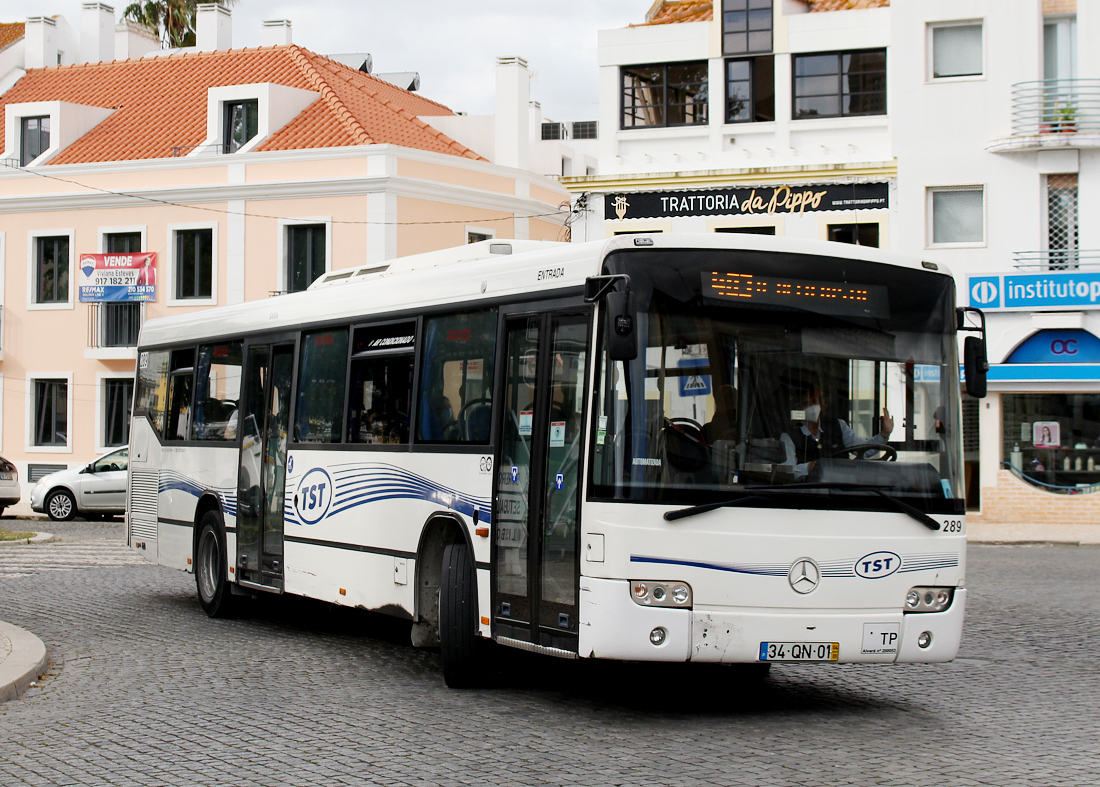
975 365
622 344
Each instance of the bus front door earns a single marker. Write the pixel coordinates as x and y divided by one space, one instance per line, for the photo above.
537 495
264 422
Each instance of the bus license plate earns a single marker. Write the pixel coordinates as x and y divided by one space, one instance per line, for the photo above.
799 651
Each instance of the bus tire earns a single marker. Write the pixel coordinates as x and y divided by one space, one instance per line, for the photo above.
458 616
215 594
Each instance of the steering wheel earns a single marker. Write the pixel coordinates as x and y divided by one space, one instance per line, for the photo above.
888 452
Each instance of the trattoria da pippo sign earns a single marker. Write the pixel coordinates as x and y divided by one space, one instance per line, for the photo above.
760 200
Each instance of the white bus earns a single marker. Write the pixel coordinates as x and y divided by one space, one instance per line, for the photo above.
714 448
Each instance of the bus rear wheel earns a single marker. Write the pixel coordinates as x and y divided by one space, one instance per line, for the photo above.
215 594
458 617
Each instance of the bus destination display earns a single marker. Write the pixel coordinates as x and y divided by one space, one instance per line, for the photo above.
822 297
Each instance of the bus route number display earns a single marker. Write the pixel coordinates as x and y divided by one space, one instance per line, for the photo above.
821 297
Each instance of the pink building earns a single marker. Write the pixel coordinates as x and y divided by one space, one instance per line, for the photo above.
248 173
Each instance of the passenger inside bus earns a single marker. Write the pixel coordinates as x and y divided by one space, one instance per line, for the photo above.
818 434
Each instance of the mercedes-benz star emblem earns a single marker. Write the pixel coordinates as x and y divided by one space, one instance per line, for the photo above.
804 575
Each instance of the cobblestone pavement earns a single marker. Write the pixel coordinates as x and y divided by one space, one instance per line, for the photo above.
145 690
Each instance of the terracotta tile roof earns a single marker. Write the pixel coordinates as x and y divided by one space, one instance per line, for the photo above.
161 103
10 32
846 5
668 12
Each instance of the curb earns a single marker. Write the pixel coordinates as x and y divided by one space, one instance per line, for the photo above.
37 538
25 664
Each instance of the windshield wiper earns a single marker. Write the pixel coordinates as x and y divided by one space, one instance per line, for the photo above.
758 492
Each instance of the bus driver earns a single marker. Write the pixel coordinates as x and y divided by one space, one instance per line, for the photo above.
821 435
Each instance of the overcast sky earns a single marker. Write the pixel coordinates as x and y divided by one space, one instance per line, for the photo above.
453 45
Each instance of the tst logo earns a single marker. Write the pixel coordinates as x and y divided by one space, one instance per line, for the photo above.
985 291
877 565
314 496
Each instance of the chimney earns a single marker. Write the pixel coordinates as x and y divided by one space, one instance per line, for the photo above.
512 112
275 32
97 24
133 40
213 27
40 42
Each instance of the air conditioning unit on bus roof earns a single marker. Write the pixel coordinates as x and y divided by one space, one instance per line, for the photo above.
471 252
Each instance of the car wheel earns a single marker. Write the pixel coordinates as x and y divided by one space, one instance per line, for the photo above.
458 617
60 506
215 594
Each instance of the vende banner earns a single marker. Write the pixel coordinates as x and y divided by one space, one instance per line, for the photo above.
118 277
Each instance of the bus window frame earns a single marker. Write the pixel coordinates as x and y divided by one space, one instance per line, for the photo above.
172 375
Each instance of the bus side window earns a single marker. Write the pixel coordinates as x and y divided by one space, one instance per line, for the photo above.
319 417
151 399
181 377
381 392
217 389
456 379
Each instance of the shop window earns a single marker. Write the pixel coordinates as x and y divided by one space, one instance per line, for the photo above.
456 378
956 50
305 255
51 413
319 415
957 215
669 94
839 84
750 90
217 392
118 396
1052 441
746 26
857 234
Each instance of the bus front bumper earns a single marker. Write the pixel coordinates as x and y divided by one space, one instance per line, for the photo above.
614 627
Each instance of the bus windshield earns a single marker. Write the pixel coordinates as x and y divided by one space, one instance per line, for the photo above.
827 380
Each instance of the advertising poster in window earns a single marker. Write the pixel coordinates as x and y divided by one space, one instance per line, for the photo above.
118 277
1046 434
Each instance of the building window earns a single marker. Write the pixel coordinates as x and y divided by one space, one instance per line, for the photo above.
838 84
1053 440
857 234
194 263
119 323
746 26
1062 221
34 139
51 412
477 237
958 215
241 123
1060 48
765 230
553 131
750 90
956 50
586 129
118 397
305 255
672 94
52 274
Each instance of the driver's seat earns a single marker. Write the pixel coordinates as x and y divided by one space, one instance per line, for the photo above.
478 420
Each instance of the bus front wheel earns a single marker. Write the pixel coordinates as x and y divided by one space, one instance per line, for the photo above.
215 595
458 616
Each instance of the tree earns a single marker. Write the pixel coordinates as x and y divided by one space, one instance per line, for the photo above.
172 20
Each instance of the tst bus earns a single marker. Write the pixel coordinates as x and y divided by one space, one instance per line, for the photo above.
714 448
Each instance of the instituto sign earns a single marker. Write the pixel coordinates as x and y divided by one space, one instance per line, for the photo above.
118 277
760 200
1035 291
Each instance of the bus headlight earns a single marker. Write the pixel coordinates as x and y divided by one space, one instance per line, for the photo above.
661 594
925 599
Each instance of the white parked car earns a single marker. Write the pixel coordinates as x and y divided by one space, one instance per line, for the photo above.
9 484
97 489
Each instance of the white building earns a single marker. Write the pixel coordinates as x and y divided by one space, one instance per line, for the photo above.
996 130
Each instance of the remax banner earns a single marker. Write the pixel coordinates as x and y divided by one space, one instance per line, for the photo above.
118 277
1035 291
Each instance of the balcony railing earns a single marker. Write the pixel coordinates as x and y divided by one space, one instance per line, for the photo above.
114 324
1056 106
1056 259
